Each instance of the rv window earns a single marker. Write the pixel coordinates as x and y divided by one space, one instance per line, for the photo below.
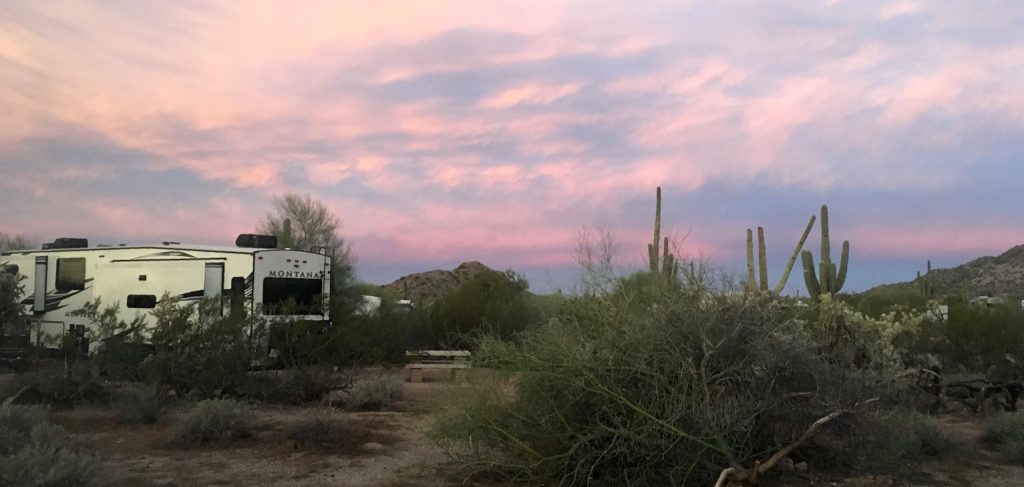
10 268
71 274
147 301
297 296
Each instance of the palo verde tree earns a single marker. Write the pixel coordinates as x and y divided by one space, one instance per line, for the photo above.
14 242
302 223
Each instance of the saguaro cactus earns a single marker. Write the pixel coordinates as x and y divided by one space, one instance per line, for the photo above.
660 258
926 288
762 258
831 280
285 241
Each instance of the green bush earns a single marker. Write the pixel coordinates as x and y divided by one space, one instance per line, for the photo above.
298 385
196 350
383 337
144 407
313 431
1006 431
660 384
51 466
82 387
11 308
374 394
214 421
16 425
490 302
909 435
35 452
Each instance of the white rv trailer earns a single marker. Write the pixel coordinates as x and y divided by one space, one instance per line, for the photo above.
63 276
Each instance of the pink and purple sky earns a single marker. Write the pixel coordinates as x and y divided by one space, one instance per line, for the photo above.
442 132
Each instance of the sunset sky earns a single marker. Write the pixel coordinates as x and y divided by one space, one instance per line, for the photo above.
441 132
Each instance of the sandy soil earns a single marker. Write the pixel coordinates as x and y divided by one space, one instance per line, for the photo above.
391 449
387 449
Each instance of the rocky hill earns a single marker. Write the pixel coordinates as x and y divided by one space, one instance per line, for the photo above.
425 287
991 276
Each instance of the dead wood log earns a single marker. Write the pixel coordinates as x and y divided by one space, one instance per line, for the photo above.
736 475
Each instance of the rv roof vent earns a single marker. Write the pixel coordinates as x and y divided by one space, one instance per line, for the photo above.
68 243
251 241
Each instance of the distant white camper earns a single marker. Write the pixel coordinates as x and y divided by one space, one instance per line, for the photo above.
63 276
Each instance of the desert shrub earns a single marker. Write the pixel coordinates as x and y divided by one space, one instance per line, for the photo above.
978 338
51 466
312 431
384 336
16 425
11 291
1006 431
374 394
82 387
214 421
142 407
665 383
197 350
34 451
490 302
119 345
909 435
297 385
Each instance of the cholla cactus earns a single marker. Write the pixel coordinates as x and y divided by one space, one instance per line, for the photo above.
831 280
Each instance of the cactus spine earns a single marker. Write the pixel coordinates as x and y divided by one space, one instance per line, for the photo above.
661 260
831 280
762 257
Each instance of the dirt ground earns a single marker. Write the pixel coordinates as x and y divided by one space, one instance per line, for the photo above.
385 449
391 449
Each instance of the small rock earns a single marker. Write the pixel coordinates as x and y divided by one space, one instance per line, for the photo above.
372 446
800 467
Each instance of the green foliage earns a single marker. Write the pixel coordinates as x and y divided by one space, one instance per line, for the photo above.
81 387
310 224
16 425
35 452
374 393
198 351
10 242
144 407
214 421
831 280
314 430
1006 431
496 303
974 338
384 336
659 387
909 435
50 466
121 347
11 292
884 299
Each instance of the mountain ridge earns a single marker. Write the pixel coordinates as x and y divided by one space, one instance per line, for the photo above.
988 275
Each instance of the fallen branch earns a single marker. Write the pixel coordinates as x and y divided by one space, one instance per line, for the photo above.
737 475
